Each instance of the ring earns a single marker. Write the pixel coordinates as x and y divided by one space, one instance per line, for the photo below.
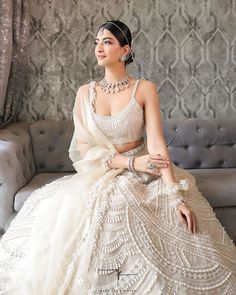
151 166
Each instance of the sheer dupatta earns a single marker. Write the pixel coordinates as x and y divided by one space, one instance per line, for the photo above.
65 227
89 145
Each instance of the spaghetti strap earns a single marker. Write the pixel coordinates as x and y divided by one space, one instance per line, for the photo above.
135 88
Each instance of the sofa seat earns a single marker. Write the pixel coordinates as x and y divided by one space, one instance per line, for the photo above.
216 183
222 182
37 181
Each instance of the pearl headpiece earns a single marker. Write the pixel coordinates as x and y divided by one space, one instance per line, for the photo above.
131 51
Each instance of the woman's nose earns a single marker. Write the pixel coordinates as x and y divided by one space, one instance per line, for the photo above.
99 47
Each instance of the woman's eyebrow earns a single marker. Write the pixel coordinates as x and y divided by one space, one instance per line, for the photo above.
105 38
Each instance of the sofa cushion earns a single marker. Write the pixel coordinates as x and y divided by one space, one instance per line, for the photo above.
37 181
50 142
217 185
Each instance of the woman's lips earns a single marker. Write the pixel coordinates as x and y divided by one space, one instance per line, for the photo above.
101 57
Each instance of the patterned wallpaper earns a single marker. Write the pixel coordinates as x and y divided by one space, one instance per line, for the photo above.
187 47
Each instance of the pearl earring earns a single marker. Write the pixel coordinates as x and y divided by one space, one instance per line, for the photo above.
123 58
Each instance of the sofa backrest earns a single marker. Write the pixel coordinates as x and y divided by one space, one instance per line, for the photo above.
201 143
50 143
192 143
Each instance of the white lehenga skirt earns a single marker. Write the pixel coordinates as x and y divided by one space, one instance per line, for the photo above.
121 238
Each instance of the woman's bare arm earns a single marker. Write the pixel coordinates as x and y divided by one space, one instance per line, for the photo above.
155 139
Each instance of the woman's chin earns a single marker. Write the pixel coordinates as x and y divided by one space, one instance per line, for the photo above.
102 63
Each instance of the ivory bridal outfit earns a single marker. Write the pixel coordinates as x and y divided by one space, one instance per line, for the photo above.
113 232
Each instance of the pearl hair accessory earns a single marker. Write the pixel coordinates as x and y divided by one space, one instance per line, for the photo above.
131 51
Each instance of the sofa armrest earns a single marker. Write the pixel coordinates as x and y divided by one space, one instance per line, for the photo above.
16 166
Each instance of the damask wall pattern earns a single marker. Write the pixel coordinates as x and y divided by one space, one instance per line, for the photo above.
187 47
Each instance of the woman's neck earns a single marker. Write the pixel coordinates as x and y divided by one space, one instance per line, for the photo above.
115 74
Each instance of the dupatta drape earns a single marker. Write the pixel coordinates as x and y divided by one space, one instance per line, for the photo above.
89 145
64 230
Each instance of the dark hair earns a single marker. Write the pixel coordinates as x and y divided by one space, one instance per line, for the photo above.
111 25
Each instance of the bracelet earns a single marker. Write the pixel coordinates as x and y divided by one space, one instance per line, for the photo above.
131 163
180 186
107 159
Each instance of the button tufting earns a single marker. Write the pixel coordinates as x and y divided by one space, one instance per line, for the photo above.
198 163
221 162
41 132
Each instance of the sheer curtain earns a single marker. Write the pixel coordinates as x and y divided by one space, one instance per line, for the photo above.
14 34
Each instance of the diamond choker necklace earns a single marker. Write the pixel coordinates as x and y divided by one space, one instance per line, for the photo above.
114 86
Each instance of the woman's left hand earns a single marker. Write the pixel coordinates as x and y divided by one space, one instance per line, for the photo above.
187 217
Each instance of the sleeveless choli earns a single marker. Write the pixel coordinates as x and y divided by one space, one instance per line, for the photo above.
124 126
113 232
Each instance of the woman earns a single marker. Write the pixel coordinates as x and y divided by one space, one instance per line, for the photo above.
129 221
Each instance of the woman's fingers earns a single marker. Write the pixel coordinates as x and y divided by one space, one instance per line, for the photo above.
192 221
158 158
181 218
162 162
187 217
195 223
153 171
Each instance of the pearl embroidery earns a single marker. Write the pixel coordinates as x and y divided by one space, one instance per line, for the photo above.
135 230
123 127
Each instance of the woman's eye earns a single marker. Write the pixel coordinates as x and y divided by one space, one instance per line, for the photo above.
105 42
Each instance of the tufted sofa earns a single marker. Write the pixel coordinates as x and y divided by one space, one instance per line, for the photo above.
33 154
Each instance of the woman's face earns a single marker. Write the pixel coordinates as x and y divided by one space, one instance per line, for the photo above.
107 48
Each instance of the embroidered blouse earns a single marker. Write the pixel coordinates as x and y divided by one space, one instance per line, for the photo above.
124 126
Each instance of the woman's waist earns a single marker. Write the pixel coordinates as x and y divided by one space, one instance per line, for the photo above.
126 147
140 149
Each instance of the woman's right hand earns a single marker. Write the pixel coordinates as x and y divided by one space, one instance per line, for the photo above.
141 162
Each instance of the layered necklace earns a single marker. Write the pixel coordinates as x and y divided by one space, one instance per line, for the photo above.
112 87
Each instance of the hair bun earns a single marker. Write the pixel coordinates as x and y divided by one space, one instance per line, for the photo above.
130 57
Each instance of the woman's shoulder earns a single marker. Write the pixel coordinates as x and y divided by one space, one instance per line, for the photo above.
84 87
147 89
82 93
147 83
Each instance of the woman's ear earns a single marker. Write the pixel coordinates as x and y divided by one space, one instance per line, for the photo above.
126 49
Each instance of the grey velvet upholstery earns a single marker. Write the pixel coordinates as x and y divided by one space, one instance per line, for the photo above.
32 155
202 143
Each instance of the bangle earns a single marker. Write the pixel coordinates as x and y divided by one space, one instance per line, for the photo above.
107 159
131 163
